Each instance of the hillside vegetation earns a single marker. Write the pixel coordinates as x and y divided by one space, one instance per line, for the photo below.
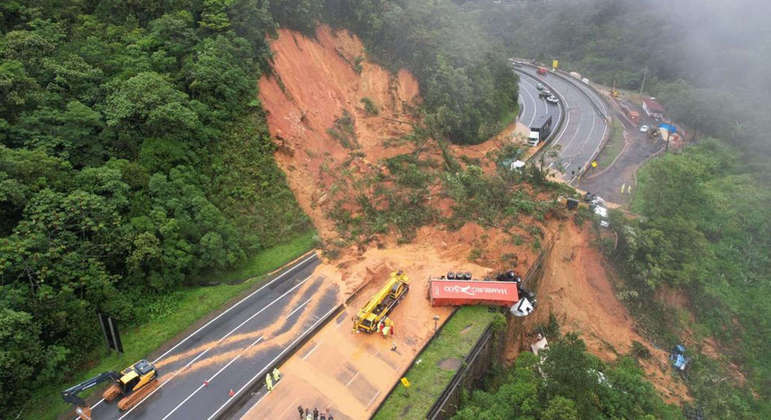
134 160
469 91
704 234
569 384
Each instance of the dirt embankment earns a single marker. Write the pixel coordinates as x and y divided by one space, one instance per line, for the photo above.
315 83
576 287
314 95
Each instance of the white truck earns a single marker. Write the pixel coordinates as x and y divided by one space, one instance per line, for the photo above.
539 131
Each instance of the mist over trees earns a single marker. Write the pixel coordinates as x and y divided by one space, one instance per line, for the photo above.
468 88
706 61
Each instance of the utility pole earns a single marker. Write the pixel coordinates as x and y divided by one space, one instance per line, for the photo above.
642 85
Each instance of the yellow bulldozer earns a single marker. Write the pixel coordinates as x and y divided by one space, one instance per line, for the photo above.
377 309
131 384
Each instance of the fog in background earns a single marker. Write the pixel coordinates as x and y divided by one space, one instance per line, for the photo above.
708 61
725 42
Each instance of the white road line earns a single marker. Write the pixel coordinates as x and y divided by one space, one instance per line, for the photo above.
586 140
567 121
310 352
535 106
352 378
313 255
214 345
200 387
299 307
373 398
300 337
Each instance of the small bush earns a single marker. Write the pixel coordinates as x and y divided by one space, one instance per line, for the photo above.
369 106
639 351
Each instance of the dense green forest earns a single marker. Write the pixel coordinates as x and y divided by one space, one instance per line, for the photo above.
706 232
568 384
134 159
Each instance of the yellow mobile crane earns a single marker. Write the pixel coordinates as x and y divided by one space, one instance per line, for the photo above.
382 303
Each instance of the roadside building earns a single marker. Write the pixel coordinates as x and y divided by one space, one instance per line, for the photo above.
652 108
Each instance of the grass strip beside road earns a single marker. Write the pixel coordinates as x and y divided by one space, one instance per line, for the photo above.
614 146
427 379
171 316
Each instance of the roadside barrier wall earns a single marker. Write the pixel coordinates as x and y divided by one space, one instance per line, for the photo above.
487 350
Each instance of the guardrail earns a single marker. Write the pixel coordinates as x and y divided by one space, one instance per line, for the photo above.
601 108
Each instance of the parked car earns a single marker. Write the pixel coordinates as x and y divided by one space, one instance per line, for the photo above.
553 99
644 128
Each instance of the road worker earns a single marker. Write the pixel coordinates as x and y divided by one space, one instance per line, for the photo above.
388 327
268 382
276 375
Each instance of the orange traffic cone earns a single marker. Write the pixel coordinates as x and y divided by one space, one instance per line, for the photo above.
231 393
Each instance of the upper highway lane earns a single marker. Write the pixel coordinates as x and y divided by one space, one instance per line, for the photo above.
583 129
198 373
531 104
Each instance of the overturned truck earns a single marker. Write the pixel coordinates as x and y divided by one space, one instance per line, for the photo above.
505 291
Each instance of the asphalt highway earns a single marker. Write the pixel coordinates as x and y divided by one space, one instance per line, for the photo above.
584 126
198 373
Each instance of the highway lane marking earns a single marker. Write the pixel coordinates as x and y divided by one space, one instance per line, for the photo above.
586 140
313 255
213 346
300 337
373 398
535 106
311 351
567 121
200 387
352 378
298 307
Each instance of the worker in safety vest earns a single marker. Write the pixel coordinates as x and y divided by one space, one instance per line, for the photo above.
276 375
388 327
268 382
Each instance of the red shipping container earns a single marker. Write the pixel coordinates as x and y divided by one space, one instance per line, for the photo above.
465 292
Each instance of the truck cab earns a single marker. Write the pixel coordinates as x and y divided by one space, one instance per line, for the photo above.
533 139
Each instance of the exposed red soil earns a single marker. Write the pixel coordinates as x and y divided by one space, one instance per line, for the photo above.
314 81
576 287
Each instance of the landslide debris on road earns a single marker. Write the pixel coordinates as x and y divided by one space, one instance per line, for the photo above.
335 152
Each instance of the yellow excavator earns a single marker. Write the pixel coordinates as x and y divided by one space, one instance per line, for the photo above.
131 384
369 317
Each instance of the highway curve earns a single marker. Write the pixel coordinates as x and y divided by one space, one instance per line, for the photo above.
228 352
584 126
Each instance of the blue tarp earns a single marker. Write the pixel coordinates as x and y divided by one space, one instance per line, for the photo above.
669 127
